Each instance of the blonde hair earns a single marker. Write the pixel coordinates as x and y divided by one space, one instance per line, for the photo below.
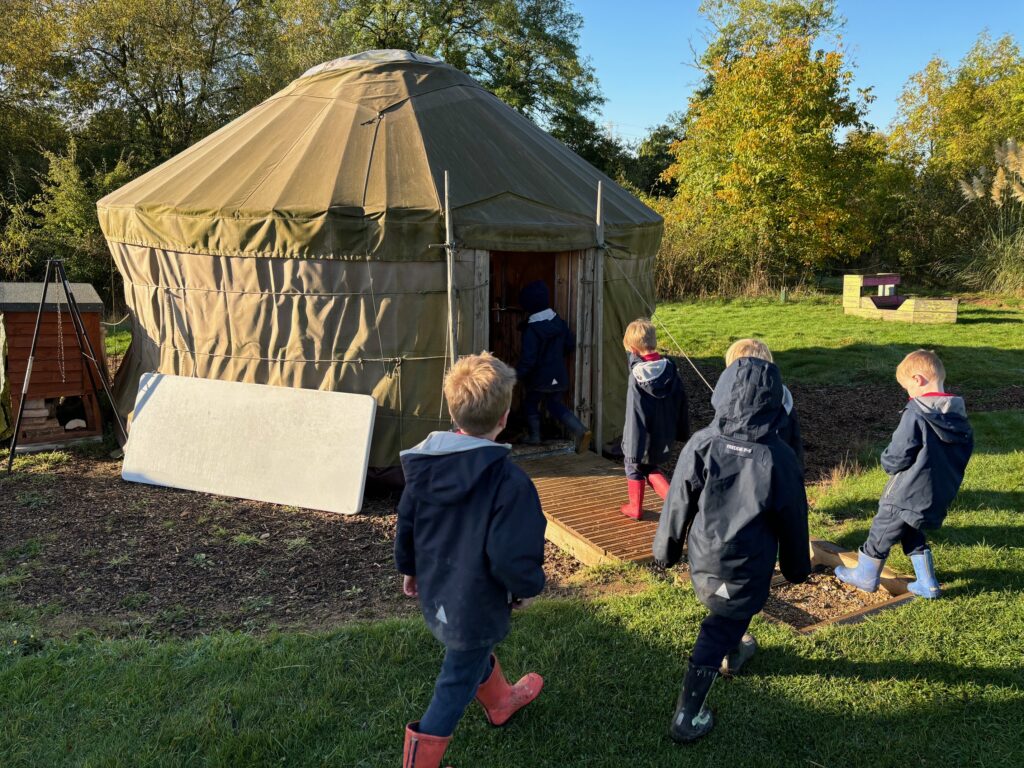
923 362
641 335
748 348
478 389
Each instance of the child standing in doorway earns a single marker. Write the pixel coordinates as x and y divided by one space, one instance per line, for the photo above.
546 342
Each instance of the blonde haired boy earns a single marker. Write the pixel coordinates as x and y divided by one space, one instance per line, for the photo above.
657 415
470 547
787 424
925 460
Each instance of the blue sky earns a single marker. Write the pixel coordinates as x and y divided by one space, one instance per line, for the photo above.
641 49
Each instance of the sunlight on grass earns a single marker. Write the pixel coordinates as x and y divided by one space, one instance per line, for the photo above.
814 342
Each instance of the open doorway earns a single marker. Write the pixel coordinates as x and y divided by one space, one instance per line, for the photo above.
509 273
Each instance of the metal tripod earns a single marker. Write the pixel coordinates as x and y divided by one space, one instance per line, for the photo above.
55 270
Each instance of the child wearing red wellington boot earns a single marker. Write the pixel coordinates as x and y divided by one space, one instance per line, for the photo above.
470 546
656 415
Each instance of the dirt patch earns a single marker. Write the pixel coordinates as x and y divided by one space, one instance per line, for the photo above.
126 558
821 598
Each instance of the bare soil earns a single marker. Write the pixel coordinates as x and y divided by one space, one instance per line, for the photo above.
821 598
123 558
87 550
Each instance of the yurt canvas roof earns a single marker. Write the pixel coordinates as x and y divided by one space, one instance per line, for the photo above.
347 162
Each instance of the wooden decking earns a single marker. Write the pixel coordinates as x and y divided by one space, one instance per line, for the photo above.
581 496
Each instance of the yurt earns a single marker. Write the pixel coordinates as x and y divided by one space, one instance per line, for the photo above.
310 243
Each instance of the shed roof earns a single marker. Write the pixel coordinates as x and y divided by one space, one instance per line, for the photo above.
24 297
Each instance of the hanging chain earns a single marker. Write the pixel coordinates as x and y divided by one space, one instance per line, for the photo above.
60 343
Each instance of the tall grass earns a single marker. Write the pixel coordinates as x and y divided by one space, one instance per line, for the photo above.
997 262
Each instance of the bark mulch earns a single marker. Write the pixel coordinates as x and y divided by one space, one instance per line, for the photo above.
821 598
125 558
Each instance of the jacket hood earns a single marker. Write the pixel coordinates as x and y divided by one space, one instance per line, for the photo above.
654 377
747 399
446 466
534 297
544 326
946 415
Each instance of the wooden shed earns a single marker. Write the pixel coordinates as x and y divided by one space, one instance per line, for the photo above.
59 377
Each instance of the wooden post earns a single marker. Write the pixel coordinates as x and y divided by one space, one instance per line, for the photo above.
599 321
481 301
449 246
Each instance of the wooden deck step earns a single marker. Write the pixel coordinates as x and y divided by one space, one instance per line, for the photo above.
581 496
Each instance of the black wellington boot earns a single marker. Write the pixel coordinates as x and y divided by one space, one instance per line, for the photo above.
532 430
692 718
579 432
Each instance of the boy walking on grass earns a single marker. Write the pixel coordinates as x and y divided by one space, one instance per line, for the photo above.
657 414
470 546
926 460
737 499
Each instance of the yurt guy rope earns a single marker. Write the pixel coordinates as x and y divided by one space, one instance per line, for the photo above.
650 311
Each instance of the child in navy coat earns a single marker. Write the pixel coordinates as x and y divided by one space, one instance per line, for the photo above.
926 460
737 500
657 414
470 545
787 425
546 341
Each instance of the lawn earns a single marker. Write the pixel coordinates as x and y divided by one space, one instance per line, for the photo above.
815 343
932 683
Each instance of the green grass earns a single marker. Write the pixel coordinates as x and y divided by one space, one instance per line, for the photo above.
118 338
933 683
814 342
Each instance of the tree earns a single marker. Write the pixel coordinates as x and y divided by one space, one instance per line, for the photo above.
949 119
761 160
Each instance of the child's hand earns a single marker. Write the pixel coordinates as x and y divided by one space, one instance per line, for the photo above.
524 603
409 588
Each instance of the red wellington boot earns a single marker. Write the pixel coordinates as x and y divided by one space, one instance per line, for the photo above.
421 749
501 700
659 483
635 507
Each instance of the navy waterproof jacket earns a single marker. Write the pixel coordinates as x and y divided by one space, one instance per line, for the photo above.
470 530
926 459
657 413
546 341
737 497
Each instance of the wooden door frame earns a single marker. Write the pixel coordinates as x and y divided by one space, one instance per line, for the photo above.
576 274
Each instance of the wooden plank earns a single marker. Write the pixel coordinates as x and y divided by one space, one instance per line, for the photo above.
885 278
859 615
829 554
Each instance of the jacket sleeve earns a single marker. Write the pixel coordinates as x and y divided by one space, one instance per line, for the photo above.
570 340
789 500
528 355
515 538
679 509
405 554
904 446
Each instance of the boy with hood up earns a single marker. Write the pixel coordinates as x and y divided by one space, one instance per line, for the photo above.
657 414
787 425
470 546
546 341
926 460
737 498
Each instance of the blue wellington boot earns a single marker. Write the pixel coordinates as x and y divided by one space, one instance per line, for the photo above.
927 585
865 576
